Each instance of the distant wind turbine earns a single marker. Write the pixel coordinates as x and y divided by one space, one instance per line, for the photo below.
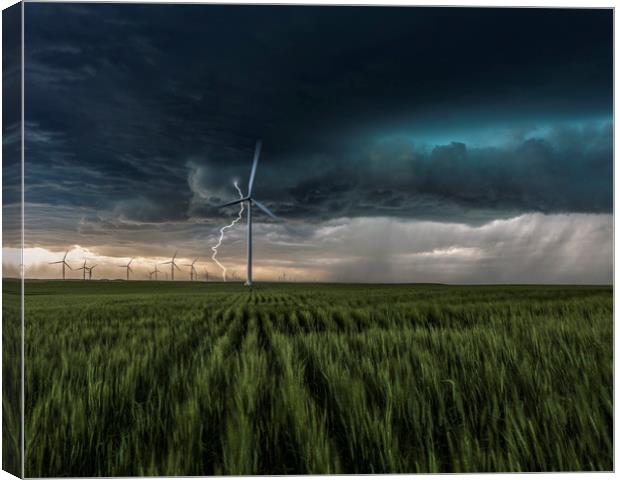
84 268
173 265
249 200
127 267
64 264
154 272
90 272
192 269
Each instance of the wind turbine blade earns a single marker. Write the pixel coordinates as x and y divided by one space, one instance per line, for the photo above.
130 261
129 268
265 209
259 144
175 255
235 202
176 266
67 265
59 261
65 257
165 263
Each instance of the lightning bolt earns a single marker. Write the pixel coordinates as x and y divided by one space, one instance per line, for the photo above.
232 224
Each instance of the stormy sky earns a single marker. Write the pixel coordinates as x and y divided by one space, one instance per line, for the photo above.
399 144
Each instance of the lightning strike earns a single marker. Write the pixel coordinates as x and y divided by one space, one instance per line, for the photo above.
232 224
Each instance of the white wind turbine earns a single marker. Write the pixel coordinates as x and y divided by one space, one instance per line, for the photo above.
84 268
249 201
172 265
192 269
154 272
127 267
64 264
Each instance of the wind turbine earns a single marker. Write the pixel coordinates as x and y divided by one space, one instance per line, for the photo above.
192 269
127 267
154 272
83 268
172 265
64 264
90 272
249 201
206 275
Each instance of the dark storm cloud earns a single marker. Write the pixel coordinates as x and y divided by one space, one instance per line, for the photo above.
143 114
151 209
11 109
569 169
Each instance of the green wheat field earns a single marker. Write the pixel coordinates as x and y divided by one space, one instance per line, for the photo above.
162 378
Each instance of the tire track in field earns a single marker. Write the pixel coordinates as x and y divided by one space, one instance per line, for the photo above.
241 438
324 315
220 390
278 455
194 447
297 304
217 325
209 313
316 315
315 447
292 417
364 436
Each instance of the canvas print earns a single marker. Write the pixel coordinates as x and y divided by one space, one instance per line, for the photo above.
288 239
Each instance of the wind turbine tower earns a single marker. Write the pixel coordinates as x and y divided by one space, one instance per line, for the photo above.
83 268
173 265
154 272
90 272
64 264
192 269
249 200
127 267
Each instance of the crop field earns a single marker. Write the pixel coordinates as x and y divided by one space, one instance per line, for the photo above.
162 378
